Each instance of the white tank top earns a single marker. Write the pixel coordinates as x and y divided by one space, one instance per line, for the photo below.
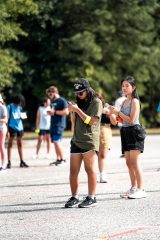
45 119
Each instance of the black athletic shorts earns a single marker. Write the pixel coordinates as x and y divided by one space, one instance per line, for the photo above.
130 140
43 132
75 149
15 133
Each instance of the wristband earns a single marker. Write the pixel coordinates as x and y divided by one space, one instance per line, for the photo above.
37 131
87 120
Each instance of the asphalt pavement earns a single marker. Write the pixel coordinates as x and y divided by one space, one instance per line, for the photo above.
32 199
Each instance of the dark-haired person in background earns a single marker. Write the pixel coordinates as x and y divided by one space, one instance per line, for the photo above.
118 104
105 141
119 101
132 145
86 116
43 123
15 127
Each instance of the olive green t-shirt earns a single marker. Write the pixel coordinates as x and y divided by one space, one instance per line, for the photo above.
86 136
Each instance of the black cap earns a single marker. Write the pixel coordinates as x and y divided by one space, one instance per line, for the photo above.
80 85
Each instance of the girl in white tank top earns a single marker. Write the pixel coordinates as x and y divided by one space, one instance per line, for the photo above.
43 121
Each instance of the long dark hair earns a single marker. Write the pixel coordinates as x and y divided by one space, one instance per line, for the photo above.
44 100
84 104
18 100
131 81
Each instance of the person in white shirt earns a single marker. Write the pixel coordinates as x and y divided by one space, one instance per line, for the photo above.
118 104
3 132
119 101
43 122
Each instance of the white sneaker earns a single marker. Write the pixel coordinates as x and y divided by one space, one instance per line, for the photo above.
35 156
3 167
47 156
103 178
138 194
132 190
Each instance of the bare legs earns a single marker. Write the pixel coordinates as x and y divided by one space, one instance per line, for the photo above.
40 139
102 159
105 142
2 144
90 167
89 159
20 151
75 164
59 150
10 145
135 171
19 145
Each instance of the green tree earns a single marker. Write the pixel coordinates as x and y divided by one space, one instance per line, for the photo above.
10 30
102 40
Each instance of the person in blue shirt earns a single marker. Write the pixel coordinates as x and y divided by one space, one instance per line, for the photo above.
15 127
158 108
58 112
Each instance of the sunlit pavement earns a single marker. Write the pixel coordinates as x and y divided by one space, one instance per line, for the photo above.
32 199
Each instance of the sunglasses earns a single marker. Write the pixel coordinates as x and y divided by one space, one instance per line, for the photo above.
80 93
50 91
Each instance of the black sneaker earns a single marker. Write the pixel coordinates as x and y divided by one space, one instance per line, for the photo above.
8 165
88 202
72 202
57 162
23 164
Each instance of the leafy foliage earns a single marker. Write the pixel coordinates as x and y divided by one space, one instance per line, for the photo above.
10 29
102 40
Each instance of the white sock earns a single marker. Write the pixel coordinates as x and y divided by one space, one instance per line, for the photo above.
91 196
76 196
102 173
